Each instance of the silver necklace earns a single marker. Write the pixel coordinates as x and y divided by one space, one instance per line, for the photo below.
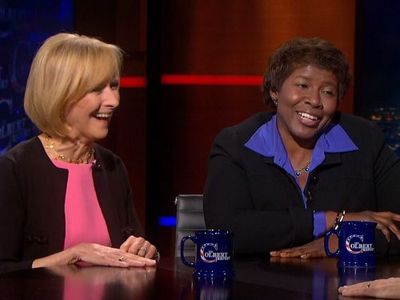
302 170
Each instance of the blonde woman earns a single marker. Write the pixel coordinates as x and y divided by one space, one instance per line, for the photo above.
63 198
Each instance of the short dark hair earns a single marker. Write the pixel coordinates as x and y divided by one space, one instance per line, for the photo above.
301 52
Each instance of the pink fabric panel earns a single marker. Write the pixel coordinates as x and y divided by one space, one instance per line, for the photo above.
84 221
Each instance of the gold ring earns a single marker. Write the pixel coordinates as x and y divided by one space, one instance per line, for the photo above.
122 258
144 249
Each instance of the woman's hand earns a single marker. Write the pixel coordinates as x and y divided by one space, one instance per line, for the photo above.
313 249
94 254
381 288
385 221
139 246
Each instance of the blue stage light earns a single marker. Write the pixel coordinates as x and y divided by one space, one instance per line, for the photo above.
167 221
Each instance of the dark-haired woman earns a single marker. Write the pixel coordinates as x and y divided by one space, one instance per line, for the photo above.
281 180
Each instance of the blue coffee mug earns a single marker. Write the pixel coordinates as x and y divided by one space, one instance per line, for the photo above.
356 246
213 253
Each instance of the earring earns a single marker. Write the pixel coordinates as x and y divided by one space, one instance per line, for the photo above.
275 101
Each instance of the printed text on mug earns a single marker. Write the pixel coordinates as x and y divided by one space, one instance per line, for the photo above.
355 244
209 253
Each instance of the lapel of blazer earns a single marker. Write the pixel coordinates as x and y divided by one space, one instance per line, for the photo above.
332 159
103 187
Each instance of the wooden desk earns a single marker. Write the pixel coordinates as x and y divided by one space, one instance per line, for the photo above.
254 279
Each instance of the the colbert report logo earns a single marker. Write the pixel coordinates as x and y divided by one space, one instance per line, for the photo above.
209 253
355 244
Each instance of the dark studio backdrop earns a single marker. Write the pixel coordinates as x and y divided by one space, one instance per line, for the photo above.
377 79
191 68
24 24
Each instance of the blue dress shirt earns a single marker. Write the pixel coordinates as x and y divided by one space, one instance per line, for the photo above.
268 142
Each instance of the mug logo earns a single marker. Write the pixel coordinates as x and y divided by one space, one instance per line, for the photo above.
355 244
209 253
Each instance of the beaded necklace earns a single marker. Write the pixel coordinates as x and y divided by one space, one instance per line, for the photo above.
304 170
84 159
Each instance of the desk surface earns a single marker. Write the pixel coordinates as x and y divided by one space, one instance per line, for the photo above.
254 279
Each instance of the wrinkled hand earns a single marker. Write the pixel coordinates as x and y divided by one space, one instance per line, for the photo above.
106 256
381 288
385 221
313 249
94 254
139 246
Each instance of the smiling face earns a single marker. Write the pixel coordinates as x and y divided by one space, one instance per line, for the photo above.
88 119
307 102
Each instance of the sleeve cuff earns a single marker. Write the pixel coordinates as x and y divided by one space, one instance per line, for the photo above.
319 224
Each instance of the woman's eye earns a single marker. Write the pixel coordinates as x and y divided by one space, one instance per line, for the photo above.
114 84
328 92
98 89
302 85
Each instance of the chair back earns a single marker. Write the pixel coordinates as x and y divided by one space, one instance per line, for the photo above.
189 218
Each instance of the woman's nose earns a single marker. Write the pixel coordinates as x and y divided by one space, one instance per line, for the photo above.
314 99
111 97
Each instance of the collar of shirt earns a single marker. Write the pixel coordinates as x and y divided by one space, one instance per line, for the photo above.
268 142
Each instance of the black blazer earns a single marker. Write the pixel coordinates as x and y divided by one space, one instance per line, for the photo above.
247 193
32 196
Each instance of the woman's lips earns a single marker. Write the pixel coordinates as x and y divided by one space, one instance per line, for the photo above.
308 119
103 116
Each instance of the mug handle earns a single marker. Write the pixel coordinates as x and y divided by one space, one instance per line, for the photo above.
326 243
184 239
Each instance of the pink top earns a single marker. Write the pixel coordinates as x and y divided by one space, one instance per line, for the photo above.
79 289
84 221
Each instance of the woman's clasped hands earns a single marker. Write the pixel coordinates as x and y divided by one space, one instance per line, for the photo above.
140 247
386 223
134 252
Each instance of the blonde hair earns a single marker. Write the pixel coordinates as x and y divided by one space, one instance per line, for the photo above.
66 68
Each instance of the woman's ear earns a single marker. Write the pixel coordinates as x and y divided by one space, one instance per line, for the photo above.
273 94
274 97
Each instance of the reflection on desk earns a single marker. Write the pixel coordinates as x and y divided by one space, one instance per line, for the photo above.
254 279
75 283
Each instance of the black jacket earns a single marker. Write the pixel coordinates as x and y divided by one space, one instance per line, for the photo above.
32 196
247 193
